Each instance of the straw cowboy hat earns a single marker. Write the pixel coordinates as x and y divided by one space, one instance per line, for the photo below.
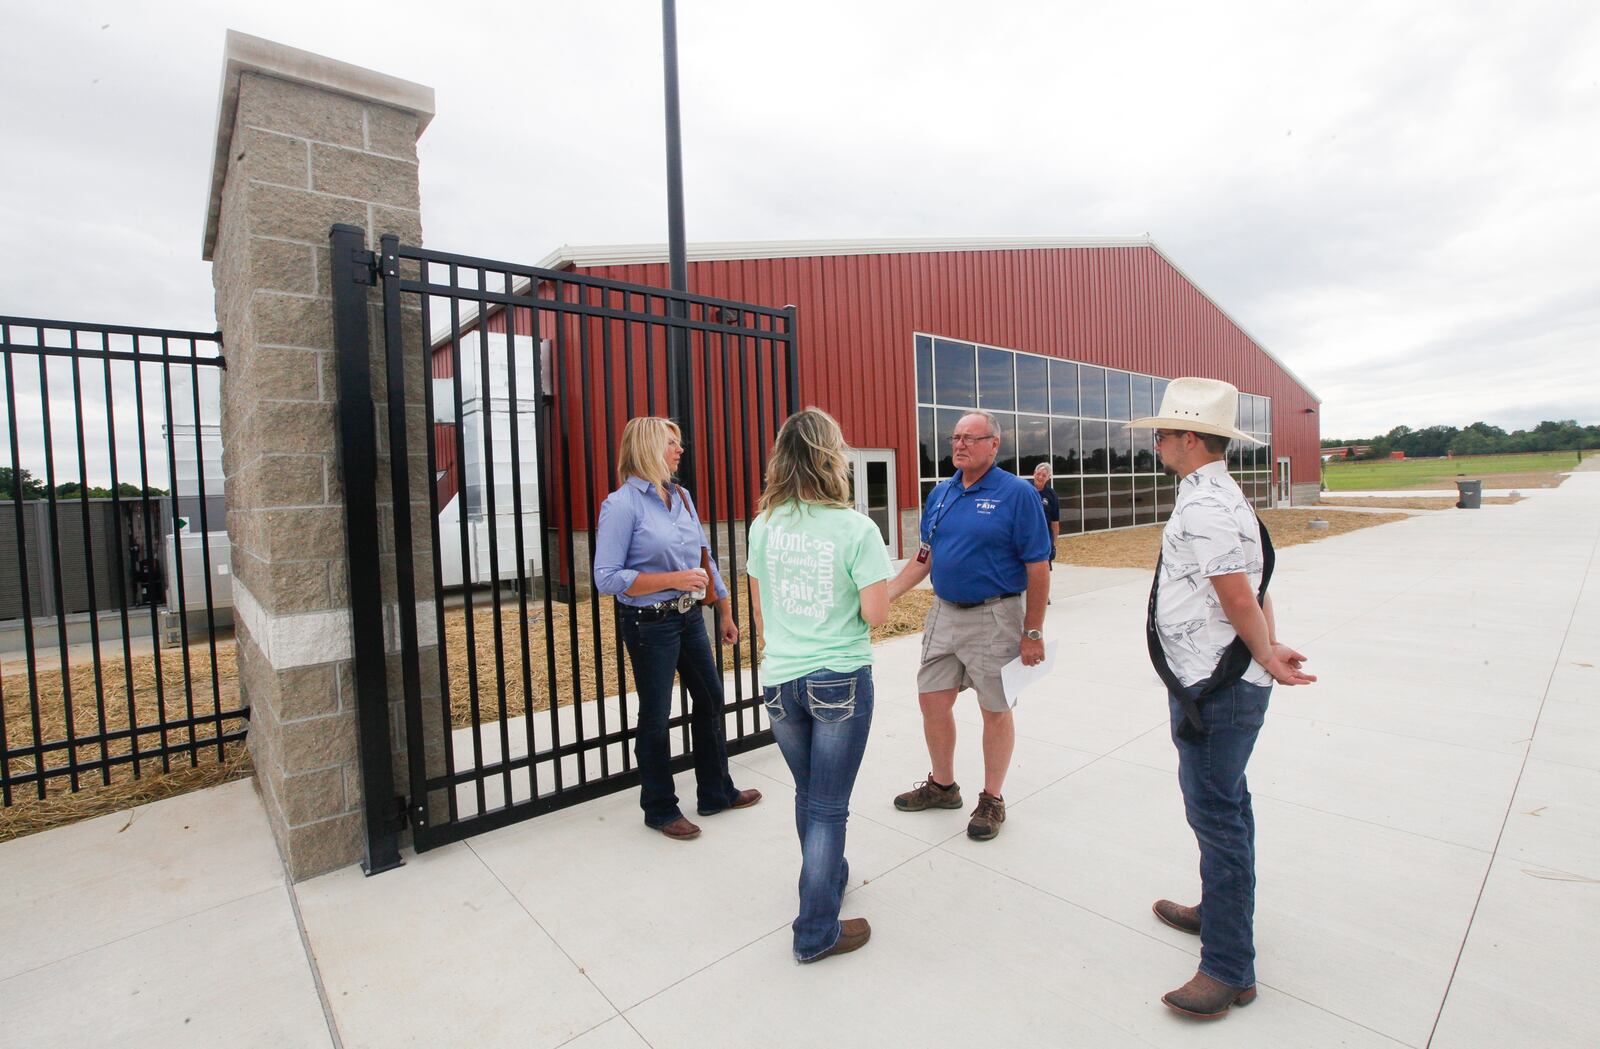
1201 405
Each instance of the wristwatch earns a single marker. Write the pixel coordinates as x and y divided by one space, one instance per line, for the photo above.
1033 635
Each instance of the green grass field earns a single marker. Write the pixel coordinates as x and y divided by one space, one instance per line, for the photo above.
1396 474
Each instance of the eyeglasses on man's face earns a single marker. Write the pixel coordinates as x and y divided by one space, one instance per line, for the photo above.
1161 434
972 438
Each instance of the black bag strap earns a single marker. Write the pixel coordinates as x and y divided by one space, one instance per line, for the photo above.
1230 668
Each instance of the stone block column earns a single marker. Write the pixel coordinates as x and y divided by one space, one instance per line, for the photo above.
303 142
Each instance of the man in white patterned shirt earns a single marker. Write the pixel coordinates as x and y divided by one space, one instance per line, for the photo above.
1205 597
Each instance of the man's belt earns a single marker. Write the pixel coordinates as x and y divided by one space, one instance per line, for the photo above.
986 601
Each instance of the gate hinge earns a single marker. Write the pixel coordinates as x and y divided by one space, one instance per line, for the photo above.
398 815
364 266
417 813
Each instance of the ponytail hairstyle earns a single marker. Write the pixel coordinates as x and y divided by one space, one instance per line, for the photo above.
808 463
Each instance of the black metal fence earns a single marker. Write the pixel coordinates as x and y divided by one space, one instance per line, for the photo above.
529 377
108 548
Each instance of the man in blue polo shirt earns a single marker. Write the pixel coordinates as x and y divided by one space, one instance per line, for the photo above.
985 541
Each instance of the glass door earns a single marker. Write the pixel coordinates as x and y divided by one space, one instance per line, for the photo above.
1283 484
872 484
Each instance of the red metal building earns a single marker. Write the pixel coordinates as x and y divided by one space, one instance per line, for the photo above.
875 316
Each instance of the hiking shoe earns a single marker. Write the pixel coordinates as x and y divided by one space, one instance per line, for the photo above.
1184 919
853 934
928 795
1206 999
987 817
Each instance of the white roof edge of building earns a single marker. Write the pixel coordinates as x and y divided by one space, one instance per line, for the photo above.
720 251
569 255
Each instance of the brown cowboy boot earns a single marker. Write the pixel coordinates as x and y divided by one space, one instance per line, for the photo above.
1184 919
1206 999
853 933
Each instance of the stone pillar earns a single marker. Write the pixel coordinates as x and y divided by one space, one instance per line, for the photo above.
303 142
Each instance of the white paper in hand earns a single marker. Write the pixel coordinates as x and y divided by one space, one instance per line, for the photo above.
1015 677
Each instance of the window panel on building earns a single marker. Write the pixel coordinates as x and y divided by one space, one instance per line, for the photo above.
927 486
1070 492
948 418
1143 386
1092 392
1096 508
927 444
1033 443
1166 495
1008 440
1119 399
1095 448
955 372
1121 502
1033 384
1236 457
1144 498
1063 388
1064 442
924 369
1121 441
1144 452
997 379
1158 390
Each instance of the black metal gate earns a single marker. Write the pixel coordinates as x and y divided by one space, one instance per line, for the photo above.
527 377
112 552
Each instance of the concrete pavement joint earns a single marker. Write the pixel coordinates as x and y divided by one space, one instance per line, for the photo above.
1511 801
311 963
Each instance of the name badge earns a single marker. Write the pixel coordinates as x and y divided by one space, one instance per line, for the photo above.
923 553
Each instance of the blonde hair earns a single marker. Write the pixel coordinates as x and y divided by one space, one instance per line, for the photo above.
808 463
643 452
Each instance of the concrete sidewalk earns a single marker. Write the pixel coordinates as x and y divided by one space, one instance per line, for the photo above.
1429 867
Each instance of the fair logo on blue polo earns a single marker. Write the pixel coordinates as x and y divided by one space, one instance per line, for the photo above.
986 506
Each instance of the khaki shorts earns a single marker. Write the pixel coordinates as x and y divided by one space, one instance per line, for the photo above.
966 647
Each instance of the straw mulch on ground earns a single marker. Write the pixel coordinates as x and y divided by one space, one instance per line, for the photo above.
1138 547
174 700
1415 502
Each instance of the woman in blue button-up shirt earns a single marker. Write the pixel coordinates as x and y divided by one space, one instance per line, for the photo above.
648 555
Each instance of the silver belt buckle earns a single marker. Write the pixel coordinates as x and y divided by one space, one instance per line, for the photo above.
685 602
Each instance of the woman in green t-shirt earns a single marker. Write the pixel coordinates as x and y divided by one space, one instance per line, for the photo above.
818 581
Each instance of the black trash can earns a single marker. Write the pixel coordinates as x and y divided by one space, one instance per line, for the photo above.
1471 495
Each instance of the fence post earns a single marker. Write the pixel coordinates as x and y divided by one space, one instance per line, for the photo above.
305 143
352 268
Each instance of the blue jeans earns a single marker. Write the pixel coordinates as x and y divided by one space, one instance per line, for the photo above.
821 723
1216 800
676 644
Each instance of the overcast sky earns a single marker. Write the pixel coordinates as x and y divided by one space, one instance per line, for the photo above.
1400 200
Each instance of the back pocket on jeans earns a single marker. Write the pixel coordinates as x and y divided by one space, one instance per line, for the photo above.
773 698
831 700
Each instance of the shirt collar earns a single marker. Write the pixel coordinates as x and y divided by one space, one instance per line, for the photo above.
1216 468
643 487
981 482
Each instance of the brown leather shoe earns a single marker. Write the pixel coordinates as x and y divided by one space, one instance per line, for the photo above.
743 800
853 934
987 817
926 795
1184 919
1206 999
681 829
